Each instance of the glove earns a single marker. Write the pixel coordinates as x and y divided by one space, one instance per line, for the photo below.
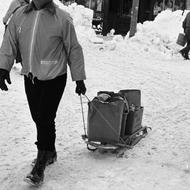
4 75
80 88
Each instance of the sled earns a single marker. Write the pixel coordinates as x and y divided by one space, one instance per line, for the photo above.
114 123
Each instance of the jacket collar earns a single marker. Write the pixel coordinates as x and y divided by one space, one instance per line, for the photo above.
50 7
24 1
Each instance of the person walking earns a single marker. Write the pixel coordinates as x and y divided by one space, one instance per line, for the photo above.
186 26
15 4
46 38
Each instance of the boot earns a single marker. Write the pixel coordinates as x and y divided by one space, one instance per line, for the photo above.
51 158
184 54
36 176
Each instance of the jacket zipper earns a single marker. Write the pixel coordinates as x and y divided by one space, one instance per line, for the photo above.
32 40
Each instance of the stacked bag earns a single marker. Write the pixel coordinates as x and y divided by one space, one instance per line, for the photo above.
114 116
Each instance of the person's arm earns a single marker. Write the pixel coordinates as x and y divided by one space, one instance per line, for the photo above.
8 53
8 50
74 51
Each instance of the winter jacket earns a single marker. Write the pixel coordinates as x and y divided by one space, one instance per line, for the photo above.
47 43
15 4
186 26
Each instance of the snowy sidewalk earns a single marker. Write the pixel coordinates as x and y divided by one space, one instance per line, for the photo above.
160 161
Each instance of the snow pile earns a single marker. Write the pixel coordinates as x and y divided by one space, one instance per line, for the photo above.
81 15
159 35
82 19
156 37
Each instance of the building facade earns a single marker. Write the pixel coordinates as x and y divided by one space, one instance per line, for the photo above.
116 14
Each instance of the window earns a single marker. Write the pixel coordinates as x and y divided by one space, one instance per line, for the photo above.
168 4
180 4
158 7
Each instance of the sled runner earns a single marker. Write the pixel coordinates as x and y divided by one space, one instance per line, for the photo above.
114 121
119 148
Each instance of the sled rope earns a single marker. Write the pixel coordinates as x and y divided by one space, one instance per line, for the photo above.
83 116
122 140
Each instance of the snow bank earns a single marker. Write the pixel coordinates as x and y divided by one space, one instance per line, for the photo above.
82 19
156 37
159 35
80 14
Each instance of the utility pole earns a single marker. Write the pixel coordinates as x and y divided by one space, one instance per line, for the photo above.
173 8
164 5
134 18
90 3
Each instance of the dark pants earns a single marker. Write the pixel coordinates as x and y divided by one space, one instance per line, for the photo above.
43 99
186 49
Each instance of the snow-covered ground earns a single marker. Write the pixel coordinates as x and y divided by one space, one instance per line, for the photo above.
150 62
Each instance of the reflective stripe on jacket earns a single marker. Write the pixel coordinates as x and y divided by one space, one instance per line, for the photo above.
47 43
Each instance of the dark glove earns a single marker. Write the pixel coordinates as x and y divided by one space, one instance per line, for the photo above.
80 88
4 75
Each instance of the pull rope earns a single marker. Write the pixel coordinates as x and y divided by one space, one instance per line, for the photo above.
81 103
109 124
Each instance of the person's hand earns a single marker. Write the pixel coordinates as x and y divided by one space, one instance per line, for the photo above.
80 88
4 75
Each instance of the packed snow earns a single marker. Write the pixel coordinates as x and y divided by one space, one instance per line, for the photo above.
149 61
